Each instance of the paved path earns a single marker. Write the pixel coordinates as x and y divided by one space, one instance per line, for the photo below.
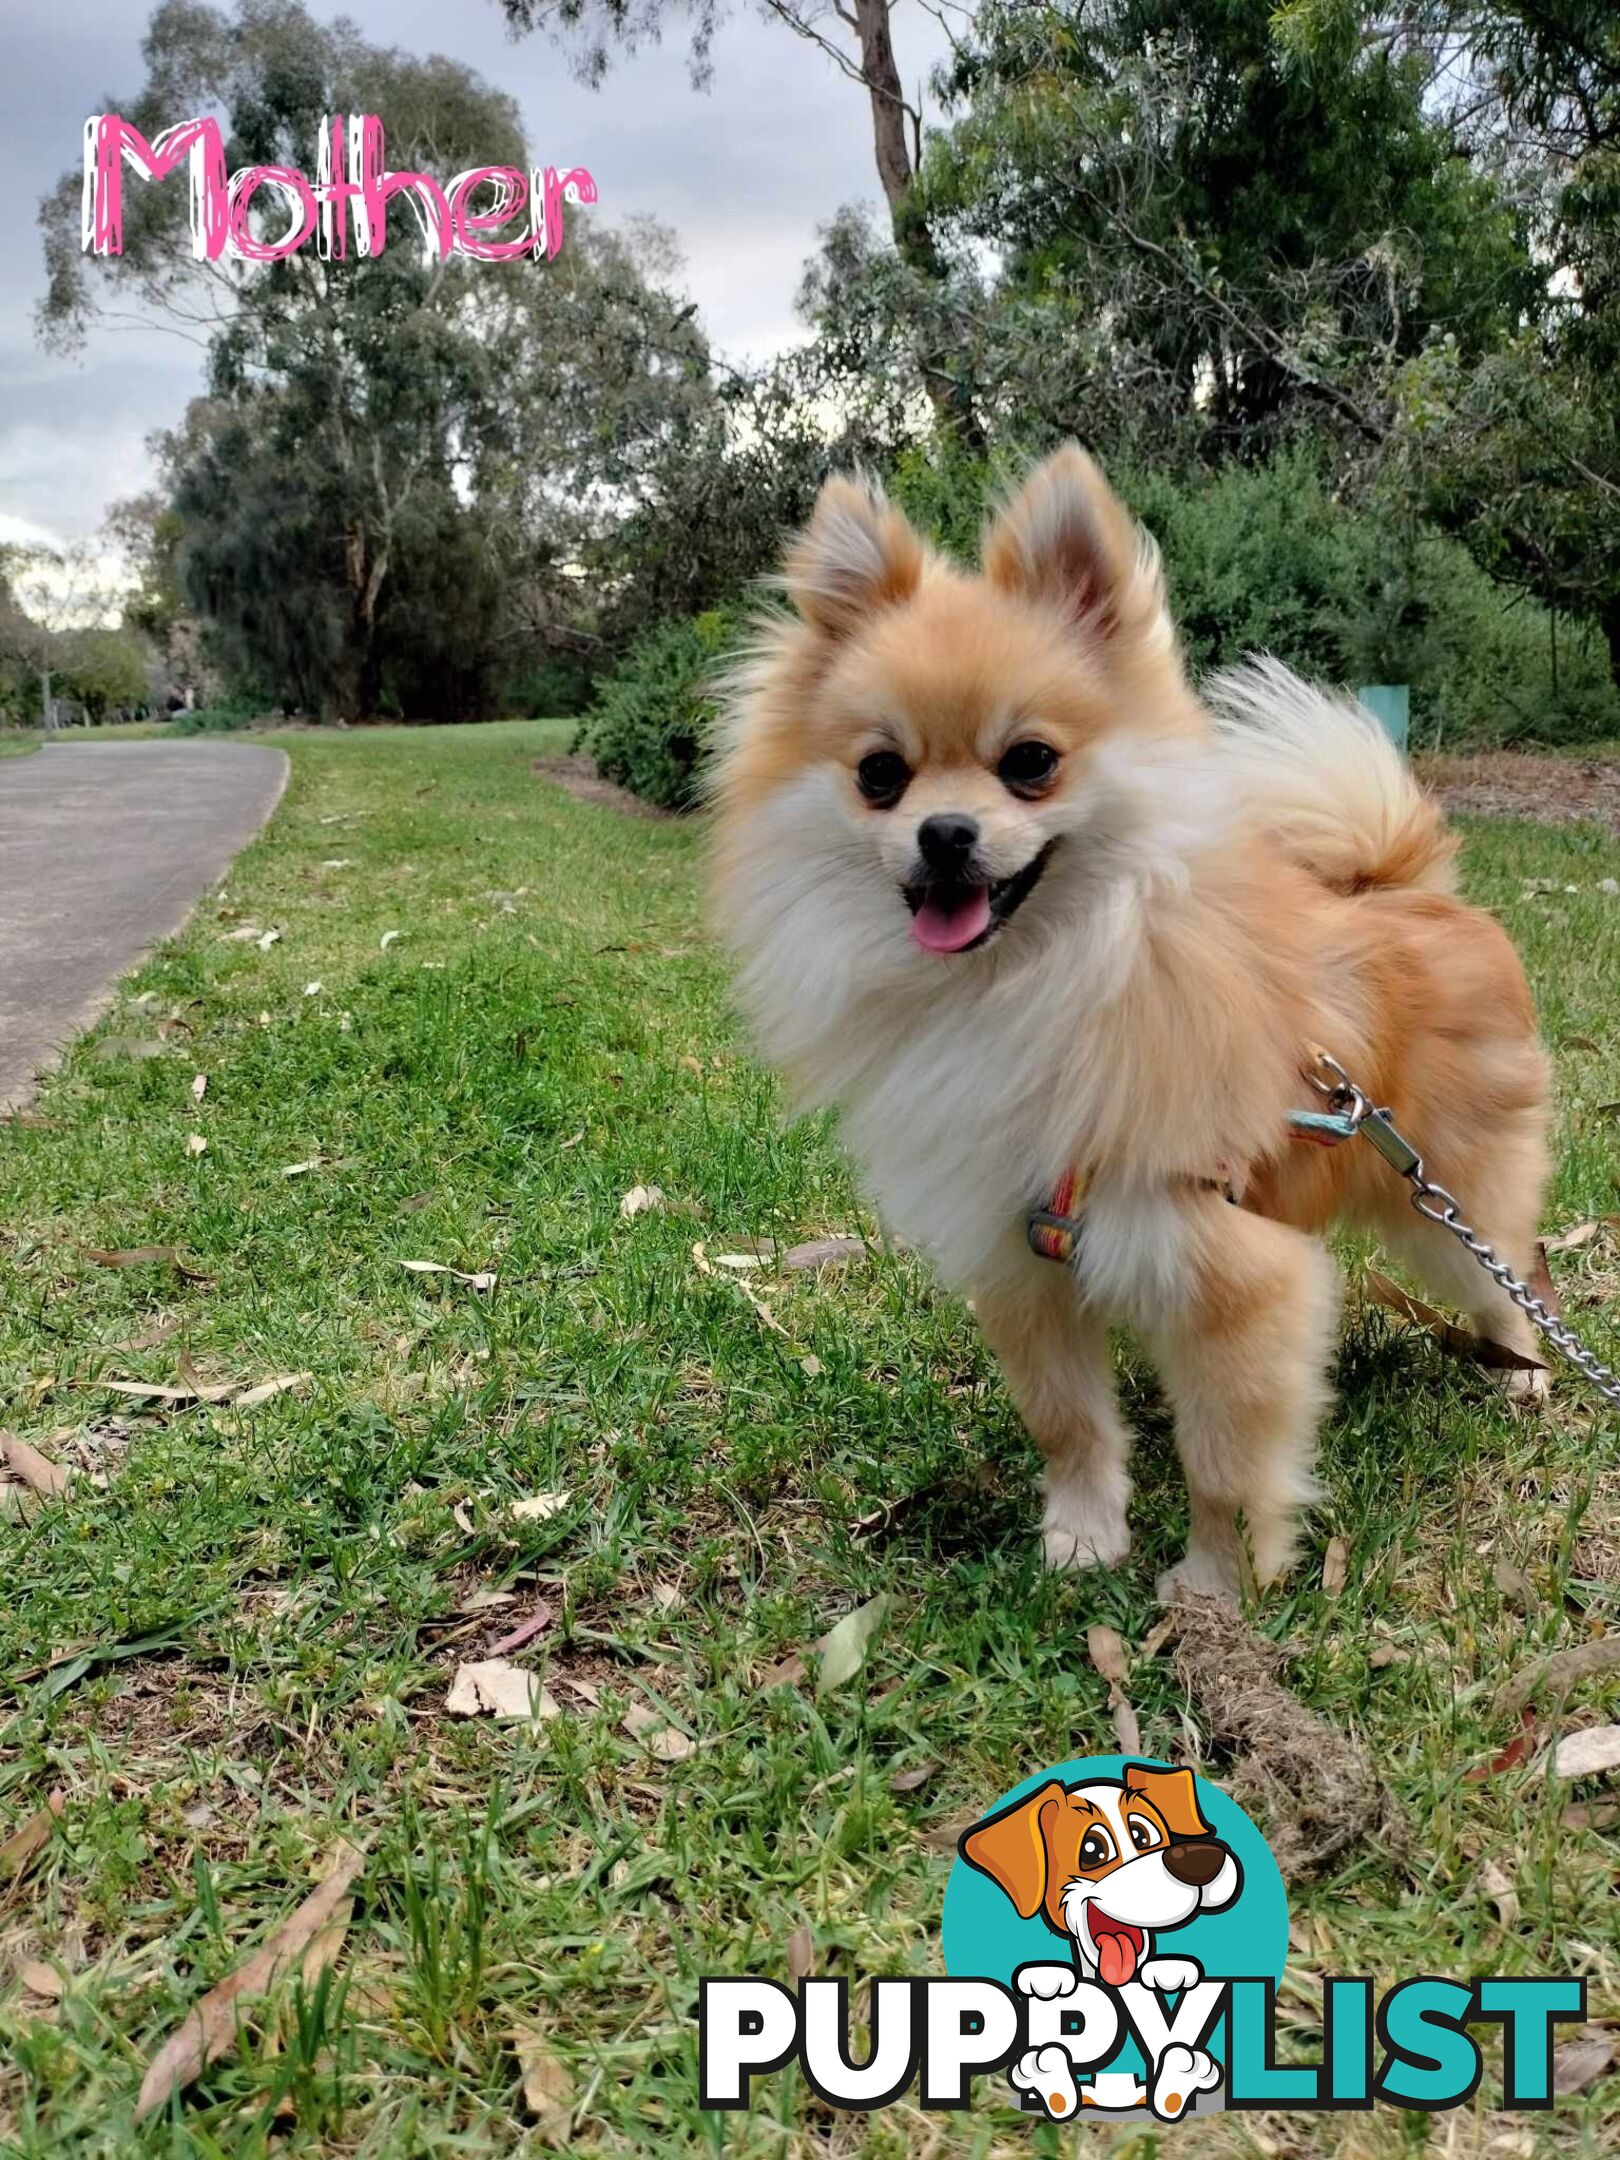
104 848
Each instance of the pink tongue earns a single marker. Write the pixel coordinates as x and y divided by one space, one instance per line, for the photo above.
938 928
1116 1959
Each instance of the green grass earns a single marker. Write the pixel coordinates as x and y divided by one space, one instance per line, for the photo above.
18 742
548 1029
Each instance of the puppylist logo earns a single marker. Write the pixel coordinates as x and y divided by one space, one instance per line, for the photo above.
1114 1935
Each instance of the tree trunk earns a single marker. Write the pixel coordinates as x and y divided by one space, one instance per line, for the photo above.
951 398
1610 620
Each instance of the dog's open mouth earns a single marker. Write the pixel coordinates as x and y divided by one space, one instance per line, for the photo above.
953 915
1119 1946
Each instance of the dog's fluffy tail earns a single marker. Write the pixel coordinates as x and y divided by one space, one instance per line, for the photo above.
1321 775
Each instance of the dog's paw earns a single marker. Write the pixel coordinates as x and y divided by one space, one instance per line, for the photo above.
1526 1390
1048 2073
1169 1975
1198 1575
1079 1530
1179 2076
1046 1982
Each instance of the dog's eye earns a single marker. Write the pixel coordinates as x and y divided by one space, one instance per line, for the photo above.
882 777
1095 1848
1143 1835
1028 768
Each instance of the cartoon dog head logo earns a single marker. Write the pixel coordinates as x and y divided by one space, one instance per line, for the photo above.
1133 1867
1110 1864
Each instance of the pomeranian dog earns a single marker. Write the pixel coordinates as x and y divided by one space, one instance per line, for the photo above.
1019 902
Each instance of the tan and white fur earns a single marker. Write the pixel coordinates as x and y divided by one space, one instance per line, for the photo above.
1166 900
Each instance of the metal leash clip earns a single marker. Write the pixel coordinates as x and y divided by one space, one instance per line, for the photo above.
1349 1105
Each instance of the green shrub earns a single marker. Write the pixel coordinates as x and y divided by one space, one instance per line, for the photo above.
649 728
1264 559
554 687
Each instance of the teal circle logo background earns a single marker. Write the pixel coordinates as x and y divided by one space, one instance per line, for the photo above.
983 1937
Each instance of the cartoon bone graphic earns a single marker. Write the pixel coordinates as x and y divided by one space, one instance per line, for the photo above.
1109 1864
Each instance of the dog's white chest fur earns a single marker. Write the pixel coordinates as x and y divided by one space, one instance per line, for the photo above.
965 1088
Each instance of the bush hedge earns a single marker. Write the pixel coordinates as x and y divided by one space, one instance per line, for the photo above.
649 728
1258 559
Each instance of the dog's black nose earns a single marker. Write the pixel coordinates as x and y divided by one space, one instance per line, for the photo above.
946 841
1196 1863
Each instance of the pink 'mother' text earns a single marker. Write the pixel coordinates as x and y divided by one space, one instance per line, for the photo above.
352 187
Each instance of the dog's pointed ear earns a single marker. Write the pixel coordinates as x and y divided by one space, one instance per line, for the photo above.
856 554
1067 538
1174 1794
1011 1848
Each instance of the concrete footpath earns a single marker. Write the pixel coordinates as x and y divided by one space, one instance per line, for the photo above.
104 850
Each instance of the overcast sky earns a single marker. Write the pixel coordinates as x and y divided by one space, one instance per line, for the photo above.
744 173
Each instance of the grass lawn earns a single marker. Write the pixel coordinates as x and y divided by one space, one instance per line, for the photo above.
489 1013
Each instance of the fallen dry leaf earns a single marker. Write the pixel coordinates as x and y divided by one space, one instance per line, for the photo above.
534 1623
824 1252
1581 2061
267 1388
657 1735
786 1672
269 938
740 1261
44 1980
548 2089
643 1200
154 1391
801 1952
196 1144
485 1600
50 1480
540 1506
1335 1566
1498 1887
199 1086
1513 1585
1508 1758
302 1169
1587 1753
1572 1240
481 1279
1559 1672
212 2027
1107 1654
665 1596
388 937
1459 1341
31 1838
905 1781
493 1688
844 1647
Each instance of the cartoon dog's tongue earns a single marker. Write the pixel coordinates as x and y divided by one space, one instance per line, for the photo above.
1117 1949
951 917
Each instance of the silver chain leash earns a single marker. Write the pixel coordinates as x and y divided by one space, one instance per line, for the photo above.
1437 1205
